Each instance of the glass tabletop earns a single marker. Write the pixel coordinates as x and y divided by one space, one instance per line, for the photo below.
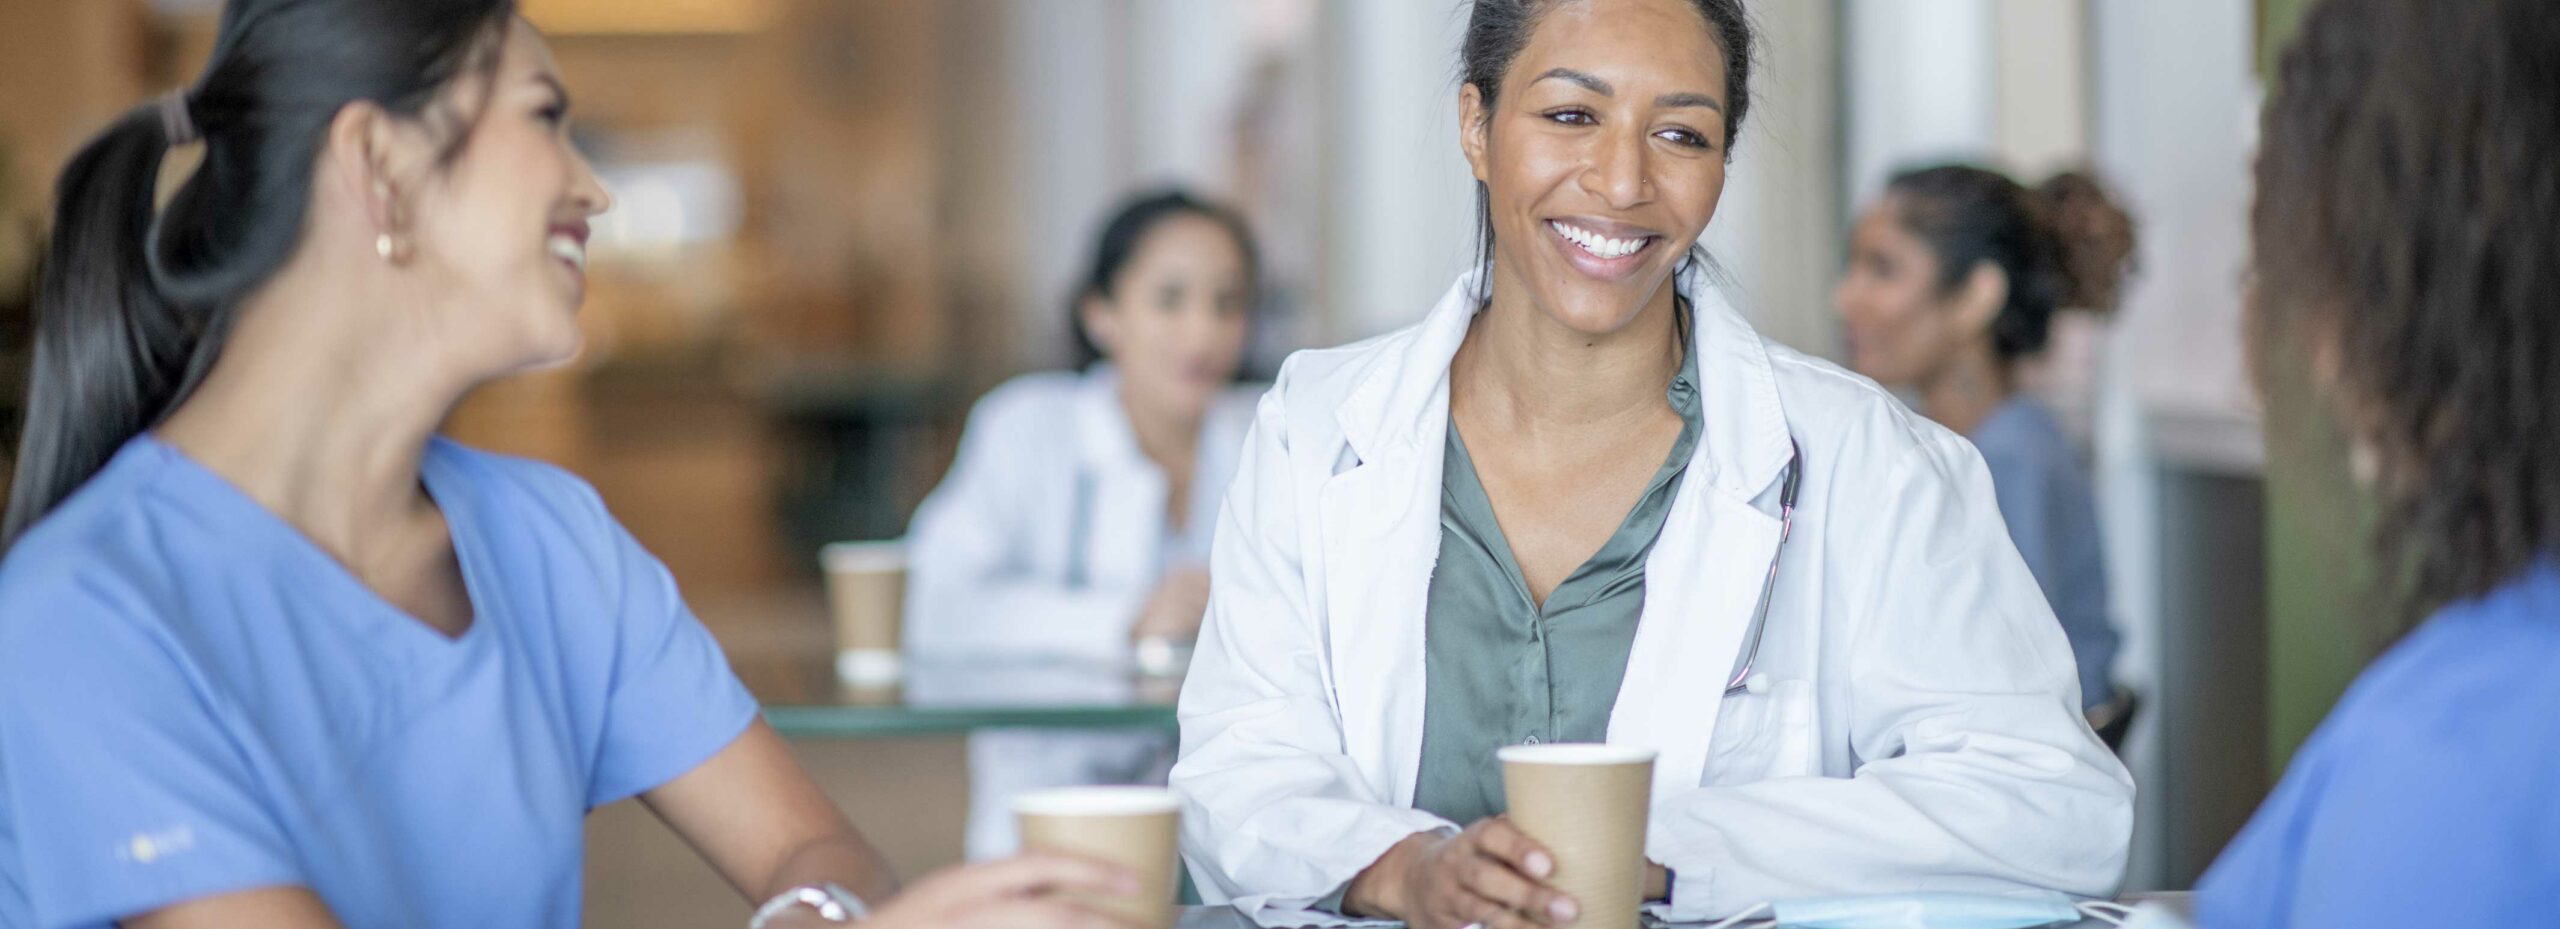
783 648
951 696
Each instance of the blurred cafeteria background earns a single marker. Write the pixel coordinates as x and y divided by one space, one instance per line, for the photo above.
840 221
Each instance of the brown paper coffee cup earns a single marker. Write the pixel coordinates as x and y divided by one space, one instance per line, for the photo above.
1133 827
1587 804
866 592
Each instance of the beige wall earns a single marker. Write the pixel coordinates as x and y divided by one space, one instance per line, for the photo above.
1777 230
2043 85
67 67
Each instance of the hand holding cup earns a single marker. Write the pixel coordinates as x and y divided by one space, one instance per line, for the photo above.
1491 875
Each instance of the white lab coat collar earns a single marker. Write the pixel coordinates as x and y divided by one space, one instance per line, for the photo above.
1741 451
1129 485
1703 576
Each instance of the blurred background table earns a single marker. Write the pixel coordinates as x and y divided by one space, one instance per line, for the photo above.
784 649
956 696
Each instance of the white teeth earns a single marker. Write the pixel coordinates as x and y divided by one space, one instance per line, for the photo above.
569 249
1599 245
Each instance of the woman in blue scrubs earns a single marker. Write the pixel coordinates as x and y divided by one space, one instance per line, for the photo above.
274 654
1954 278
2407 249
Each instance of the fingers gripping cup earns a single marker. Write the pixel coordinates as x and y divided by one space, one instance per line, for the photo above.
1587 804
867 592
1132 827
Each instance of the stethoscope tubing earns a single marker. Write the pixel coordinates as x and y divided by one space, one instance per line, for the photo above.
1741 680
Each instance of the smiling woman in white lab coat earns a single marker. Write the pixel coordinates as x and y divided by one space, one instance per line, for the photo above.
1582 501
1075 521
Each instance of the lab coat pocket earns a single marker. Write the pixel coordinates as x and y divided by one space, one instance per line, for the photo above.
1764 735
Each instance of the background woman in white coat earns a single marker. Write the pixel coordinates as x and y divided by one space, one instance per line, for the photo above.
1555 511
1076 519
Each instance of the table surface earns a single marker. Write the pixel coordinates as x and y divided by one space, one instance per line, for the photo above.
1219 917
783 647
947 697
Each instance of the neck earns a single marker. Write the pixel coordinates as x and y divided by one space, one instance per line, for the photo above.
1967 390
1524 370
319 413
1170 438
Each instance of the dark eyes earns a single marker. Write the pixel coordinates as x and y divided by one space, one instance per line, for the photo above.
1577 116
1684 137
1572 117
1170 299
553 114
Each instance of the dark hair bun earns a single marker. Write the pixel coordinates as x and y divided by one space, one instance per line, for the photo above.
2064 245
2095 237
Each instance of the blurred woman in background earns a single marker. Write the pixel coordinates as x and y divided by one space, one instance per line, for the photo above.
1075 521
272 652
2407 234
1954 279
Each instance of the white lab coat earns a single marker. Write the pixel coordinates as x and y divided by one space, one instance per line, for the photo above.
1920 728
1046 538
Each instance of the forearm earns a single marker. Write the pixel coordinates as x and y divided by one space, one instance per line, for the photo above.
1907 823
844 860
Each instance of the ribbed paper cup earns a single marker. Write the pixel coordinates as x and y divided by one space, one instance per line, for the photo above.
1587 804
1133 827
866 592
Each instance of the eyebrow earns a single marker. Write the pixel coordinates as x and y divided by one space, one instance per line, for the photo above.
1594 84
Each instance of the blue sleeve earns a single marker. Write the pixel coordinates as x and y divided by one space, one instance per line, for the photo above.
673 701
124 789
2402 812
2019 487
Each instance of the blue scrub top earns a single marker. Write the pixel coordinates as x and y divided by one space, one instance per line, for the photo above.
2429 797
195 700
2053 519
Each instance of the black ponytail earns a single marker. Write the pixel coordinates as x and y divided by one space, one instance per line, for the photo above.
135 303
109 350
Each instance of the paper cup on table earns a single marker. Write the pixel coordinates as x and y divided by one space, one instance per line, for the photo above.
1132 827
866 592
1587 804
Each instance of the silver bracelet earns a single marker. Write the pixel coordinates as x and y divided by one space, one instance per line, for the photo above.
831 902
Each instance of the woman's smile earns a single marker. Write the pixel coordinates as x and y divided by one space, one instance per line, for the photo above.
1601 249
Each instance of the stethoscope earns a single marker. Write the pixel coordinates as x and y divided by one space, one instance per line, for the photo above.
1743 680
1079 525
1080 531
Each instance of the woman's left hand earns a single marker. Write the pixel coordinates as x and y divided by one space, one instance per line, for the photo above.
1175 610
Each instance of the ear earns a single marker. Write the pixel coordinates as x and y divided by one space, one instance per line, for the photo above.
1978 302
1101 323
375 159
1474 128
